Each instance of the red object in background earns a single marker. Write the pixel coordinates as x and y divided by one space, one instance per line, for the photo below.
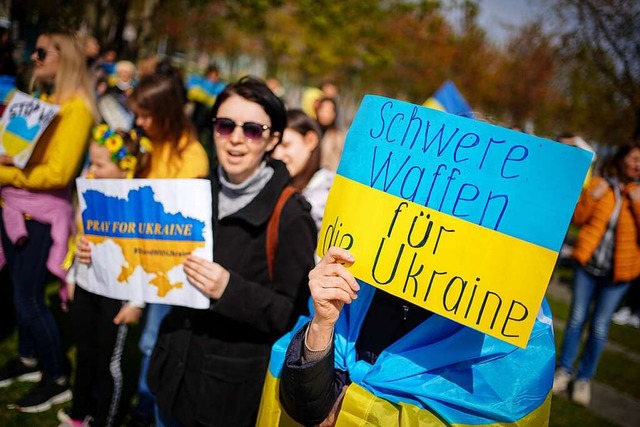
2 108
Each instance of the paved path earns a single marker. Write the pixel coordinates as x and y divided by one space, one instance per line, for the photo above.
607 402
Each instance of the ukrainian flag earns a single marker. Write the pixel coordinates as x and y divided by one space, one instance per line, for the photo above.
448 99
440 374
201 90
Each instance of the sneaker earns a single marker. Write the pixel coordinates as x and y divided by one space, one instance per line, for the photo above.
621 317
582 392
46 394
561 381
15 370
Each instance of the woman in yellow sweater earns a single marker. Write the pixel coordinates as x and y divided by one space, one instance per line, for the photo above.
607 253
157 104
59 77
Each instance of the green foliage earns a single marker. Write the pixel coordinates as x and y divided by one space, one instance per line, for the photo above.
583 78
601 49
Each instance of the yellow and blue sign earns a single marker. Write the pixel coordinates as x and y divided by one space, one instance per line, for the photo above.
462 218
455 215
142 231
23 122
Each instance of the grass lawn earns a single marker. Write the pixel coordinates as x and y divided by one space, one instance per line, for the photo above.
8 350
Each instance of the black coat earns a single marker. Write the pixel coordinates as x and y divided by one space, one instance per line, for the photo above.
309 390
208 367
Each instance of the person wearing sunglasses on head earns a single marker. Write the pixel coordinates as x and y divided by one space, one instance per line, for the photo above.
37 218
209 366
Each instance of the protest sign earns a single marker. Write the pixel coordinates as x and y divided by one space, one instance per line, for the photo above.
141 231
23 122
455 215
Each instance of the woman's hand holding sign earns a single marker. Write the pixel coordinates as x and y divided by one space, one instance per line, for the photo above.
83 250
331 285
209 277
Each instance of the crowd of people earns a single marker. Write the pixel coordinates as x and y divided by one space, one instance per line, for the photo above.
105 100
271 166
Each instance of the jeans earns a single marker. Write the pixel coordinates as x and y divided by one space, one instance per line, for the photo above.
38 334
605 296
155 313
7 311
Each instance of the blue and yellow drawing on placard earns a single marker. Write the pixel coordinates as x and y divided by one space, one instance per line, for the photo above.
458 216
141 231
149 237
23 122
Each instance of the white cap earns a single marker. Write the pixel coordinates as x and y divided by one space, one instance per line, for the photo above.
5 22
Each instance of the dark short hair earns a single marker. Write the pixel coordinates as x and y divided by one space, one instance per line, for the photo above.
255 90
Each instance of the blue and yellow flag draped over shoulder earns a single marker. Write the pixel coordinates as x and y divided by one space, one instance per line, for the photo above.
449 99
440 374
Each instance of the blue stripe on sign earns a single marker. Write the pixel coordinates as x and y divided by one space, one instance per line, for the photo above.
508 181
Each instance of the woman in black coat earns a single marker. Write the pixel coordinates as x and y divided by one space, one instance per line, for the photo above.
208 367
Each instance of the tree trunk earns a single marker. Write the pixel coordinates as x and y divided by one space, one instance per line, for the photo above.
121 12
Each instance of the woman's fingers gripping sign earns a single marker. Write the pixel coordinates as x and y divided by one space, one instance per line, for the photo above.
332 285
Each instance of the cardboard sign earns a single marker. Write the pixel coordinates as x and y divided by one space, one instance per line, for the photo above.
455 215
23 122
141 231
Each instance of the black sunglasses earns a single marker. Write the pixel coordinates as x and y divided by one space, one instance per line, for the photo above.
225 127
41 53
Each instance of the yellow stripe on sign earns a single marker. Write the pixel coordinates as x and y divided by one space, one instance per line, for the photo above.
14 144
156 257
481 278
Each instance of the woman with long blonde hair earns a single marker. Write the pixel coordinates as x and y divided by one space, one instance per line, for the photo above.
37 218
